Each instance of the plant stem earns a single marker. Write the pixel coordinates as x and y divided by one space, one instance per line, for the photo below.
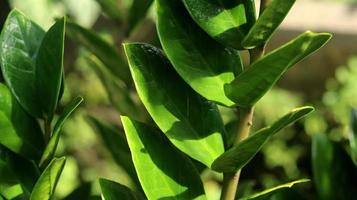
48 133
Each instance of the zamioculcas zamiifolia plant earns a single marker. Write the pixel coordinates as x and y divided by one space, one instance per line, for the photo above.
181 86
32 66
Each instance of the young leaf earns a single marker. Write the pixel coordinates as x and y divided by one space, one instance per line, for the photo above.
267 23
115 191
238 156
178 111
19 43
171 174
51 147
19 132
202 62
99 47
266 194
49 68
253 83
138 11
353 135
228 21
46 184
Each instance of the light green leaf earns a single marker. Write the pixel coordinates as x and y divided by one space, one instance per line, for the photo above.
99 47
353 135
202 62
266 194
11 192
171 174
51 147
179 112
18 130
228 21
137 12
19 43
46 184
49 68
238 156
116 191
267 23
260 77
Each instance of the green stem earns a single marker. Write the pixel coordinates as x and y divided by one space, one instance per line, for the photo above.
47 127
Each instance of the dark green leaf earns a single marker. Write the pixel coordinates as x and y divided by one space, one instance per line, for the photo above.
99 47
82 192
266 194
19 43
46 184
51 147
267 23
260 77
115 191
18 130
171 175
111 8
49 68
178 111
228 21
334 173
138 11
238 156
353 135
4 11
202 62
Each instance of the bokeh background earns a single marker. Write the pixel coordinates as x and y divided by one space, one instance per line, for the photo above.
326 80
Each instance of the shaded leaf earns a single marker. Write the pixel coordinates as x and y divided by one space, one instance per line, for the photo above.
103 50
82 192
49 68
178 111
51 147
353 135
19 43
266 194
115 191
171 174
238 156
46 184
249 86
19 131
267 23
202 62
228 21
137 12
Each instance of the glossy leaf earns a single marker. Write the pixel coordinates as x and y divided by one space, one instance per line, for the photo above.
19 132
260 77
137 12
238 156
117 145
267 23
202 62
171 174
103 50
334 173
178 111
228 21
51 147
266 194
353 135
19 43
49 68
46 184
115 191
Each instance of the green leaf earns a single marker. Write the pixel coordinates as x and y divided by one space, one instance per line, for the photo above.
267 23
51 147
334 173
353 135
19 131
103 50
228 21
249 86
171 174
82 192
238 156
266 194
115 191
11 192
117 145
111 8
178 111
202 62
46 184
19 43
49 68
138 11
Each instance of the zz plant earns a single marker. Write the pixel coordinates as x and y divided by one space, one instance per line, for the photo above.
182 86
32 66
